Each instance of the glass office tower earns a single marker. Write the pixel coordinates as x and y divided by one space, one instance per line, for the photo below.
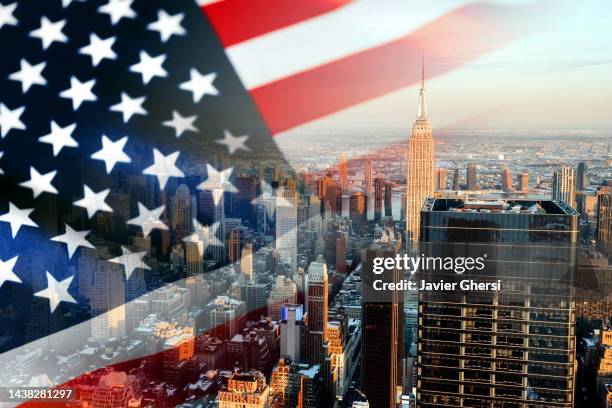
512 347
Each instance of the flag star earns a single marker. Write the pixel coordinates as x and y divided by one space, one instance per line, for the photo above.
10 119
129 106
93 202
98 49
79 92
29 75
112 153
168 25
181 124
56 291
218 182
234 143
149 67
6 271
17 218
66 3
130 261
148 220
73 239
60 137
208 235
50 32
6 14
118 9
40 183
200 85
164 167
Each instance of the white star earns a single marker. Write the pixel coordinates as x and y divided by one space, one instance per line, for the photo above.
234 143
130 261
29 75
208 235
56 291
168 25
98 49
79 92
40 183
10 119
6 14
6 271
66 3
1 154
149 67
73 239
200 85
181 124
129 106
218 182
164 167
118 9
112 153
18 217
50 32
60 137
93 202
148 220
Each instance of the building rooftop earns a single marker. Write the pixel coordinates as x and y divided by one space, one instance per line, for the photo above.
498 206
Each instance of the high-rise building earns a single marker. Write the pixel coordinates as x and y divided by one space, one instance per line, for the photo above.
388 198
317 304
472 176
420 177
194 255
286 227
107 301
511 345
604 220
292 332
564 186
582 176
245 390
181 212
343 174
441 175
506 183
523 182
378 197
284 384
246 261
456 180
284 291
382 332
238 238
368 178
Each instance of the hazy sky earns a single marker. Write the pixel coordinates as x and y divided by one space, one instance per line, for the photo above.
558 78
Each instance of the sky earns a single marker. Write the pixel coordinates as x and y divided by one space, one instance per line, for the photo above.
557 78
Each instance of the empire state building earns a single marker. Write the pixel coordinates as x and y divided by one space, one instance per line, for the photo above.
420 177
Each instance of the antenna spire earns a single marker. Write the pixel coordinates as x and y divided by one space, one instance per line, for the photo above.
422 106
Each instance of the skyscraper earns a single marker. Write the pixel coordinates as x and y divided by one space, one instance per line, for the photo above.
456 180
582 176
368 177
564 186
472 176
604 220
441 175
317 304
181 212
382 332
194 255
246 261
378 197
507 180
283 292
292 332
286 226
523 182
508 346
343 174
420 177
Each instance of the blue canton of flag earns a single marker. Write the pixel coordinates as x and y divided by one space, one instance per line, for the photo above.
105 108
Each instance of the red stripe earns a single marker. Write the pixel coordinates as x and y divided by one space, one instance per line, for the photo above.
449 42
239 20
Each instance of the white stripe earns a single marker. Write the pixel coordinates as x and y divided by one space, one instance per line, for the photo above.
357 26
206 2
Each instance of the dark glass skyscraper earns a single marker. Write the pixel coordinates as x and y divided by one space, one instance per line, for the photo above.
507 347
382 332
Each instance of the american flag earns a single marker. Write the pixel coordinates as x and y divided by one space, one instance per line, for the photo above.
106 106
